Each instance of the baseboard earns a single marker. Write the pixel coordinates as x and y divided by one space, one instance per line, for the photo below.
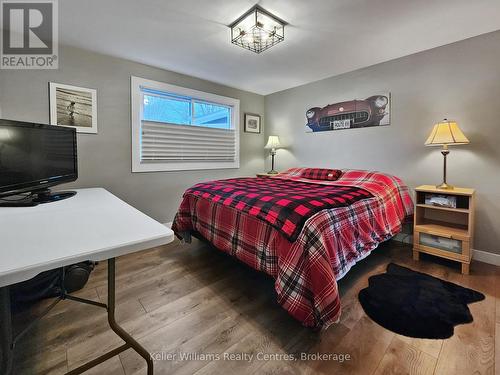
486 257
479 255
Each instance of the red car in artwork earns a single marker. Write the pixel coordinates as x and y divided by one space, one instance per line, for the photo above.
347 115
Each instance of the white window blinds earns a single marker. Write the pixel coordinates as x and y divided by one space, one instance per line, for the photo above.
175 128
174 142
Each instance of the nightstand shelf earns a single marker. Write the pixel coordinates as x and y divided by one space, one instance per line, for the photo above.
267 174
446 232
464 210
443 229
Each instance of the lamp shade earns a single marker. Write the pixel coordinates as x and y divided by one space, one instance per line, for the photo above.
273 142
446 133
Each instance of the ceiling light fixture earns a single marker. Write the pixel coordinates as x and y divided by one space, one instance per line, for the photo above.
257 30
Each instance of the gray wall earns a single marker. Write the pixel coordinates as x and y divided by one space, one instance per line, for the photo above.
105 158
460 81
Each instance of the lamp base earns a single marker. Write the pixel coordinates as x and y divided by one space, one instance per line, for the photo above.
273 172
445 186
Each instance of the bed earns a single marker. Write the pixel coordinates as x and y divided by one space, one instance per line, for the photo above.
304 227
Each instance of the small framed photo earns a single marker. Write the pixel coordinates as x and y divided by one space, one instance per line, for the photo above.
252 123
73 106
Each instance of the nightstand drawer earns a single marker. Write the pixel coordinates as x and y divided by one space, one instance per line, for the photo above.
439 242
444 246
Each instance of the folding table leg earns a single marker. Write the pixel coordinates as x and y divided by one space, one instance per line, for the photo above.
6 338
130 342
115 327
5 331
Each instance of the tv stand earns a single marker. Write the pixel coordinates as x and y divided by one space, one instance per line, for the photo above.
38 197
47 196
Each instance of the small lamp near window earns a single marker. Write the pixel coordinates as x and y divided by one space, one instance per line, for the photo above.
446 133
273 143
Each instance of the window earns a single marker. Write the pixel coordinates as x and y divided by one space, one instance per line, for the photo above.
175 128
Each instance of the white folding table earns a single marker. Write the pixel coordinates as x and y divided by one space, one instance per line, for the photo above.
93 225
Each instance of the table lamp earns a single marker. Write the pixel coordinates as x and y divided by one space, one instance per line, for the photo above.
273 143
446 133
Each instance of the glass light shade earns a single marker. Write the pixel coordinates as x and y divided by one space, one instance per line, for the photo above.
257 30
273 142
446 133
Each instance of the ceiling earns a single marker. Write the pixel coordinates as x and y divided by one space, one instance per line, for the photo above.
323 38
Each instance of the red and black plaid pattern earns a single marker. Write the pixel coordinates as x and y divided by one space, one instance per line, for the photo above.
286 205
306 270
321 174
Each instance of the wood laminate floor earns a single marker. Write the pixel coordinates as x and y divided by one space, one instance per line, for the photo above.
194 299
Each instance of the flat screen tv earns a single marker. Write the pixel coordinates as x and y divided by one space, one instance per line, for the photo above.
33 158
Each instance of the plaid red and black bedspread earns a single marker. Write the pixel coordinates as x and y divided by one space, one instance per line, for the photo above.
330 243
284 204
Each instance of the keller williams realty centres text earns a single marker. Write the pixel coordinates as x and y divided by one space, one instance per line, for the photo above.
249 357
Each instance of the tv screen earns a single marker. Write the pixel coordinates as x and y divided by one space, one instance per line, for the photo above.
35 156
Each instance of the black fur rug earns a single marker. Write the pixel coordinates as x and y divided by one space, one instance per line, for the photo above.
415 304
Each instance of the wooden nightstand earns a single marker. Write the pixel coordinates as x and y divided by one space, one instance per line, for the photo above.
444 231
267 174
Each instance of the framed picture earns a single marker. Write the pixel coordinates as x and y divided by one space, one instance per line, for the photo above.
73 106
252 123
351 114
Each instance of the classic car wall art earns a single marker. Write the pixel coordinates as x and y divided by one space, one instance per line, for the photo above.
372 111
